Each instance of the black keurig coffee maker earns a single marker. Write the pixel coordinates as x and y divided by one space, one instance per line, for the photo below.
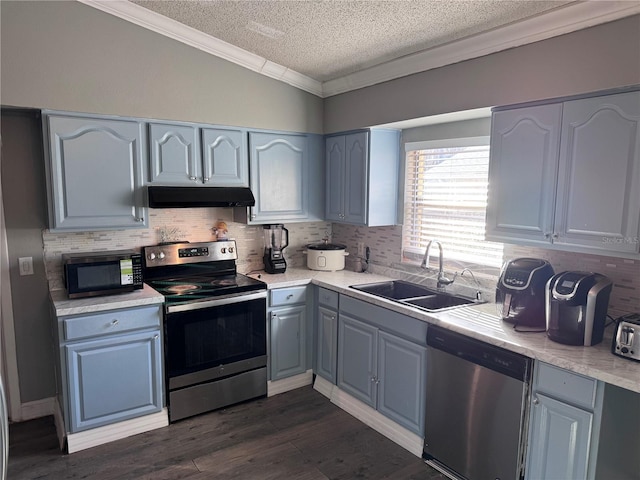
276 238
520 292
577 305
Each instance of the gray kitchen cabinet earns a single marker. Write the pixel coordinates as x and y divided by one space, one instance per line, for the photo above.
95 172
287 332
196 155
174 154
362 177
224 157
567 175
385 370
111 366
278 177
327 335
564 425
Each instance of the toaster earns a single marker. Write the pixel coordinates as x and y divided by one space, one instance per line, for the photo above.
626 340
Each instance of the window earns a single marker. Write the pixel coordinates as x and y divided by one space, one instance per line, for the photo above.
445 200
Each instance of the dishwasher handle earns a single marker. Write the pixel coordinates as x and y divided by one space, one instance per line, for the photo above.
490 356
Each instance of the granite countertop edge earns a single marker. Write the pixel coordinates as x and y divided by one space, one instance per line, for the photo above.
596 361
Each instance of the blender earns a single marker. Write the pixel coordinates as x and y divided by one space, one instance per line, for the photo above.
276 239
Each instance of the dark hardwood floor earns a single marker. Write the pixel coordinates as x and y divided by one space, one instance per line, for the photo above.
294 435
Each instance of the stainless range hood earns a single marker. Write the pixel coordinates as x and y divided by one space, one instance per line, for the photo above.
190 197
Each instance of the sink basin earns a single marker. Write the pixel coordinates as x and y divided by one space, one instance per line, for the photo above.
395 289
415 295
438 302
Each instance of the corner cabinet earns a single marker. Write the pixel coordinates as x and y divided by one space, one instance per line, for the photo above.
567 175
362 177
111 366
197 155
378 363
95 172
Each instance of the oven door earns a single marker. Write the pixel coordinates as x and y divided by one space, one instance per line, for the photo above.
214 339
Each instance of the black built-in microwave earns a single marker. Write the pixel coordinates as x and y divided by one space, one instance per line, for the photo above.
102 273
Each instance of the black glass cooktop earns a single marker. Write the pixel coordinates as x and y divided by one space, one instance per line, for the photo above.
196 288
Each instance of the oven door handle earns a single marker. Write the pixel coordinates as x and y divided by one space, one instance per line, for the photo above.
218 302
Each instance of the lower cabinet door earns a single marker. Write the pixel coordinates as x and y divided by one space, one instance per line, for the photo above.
559 440
357 359
327 343
288 341
114 379
402 367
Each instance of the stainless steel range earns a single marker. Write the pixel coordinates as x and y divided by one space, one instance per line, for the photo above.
215 341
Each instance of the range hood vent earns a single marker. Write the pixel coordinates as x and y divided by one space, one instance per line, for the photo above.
189 197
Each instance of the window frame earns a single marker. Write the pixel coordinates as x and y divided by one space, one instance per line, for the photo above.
410 258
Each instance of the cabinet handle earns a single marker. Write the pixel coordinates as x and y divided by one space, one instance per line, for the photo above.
114 322
290 296
253 216
555 236
547 235
205 179
139 219
156 336
536 400
333 317
192 178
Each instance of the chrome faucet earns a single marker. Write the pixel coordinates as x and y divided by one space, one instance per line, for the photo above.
442 280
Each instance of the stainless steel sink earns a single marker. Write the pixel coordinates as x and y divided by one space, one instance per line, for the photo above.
415 295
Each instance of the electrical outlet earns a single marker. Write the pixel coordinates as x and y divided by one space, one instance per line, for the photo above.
361 249
26 265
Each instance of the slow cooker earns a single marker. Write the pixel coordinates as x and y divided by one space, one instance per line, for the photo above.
326 256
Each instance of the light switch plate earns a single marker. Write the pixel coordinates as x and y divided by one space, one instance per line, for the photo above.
26 265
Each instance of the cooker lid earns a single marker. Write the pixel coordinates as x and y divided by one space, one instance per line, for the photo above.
326 246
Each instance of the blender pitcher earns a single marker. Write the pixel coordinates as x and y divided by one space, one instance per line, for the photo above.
276 239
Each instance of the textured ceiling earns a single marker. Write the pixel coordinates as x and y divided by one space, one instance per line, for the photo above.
328 39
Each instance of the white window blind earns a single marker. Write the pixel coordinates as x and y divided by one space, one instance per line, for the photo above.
445 200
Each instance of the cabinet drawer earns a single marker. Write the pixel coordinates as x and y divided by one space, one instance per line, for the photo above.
566 386
328 298
108 323
288 296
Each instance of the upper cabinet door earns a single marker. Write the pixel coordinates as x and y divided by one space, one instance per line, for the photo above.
278 177
335 161
95 173
522 173
174 154
225 160
598 204
356 178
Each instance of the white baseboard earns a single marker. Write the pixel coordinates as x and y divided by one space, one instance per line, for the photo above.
324 386
109 433
371 417
37 409
291 383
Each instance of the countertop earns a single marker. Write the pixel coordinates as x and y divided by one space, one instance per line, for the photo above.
480 322
64 306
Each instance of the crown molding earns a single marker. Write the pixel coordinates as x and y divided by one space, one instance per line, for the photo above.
572 17
157 23
566 19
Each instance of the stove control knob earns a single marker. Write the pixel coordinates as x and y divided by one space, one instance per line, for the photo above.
152 256
161 255
230 249
223 250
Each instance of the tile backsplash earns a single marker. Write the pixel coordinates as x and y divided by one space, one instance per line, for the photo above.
385 243
386 246
191 224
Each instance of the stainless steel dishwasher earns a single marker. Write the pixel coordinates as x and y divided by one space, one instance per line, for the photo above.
476 400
